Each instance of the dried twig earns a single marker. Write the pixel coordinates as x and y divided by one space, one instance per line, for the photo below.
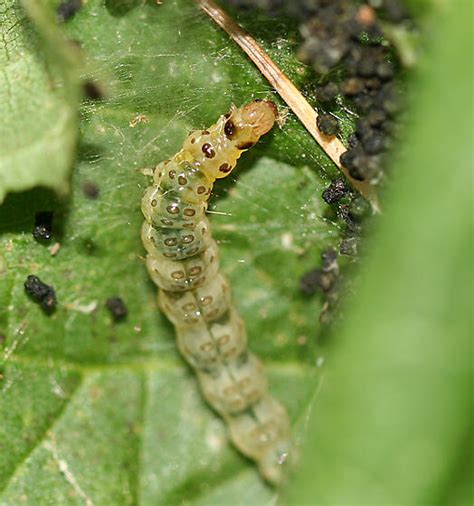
332 146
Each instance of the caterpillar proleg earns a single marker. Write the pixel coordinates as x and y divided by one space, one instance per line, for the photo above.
183 261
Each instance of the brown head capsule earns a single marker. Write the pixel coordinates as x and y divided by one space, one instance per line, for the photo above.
260 115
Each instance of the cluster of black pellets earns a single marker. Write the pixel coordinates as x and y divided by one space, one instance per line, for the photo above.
344 43
45 294
327 280
349 208
321 278
344 37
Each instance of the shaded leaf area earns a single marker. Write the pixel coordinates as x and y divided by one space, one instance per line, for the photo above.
38 100
393 421
117 415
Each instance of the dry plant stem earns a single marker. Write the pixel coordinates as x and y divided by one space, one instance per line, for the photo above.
332 146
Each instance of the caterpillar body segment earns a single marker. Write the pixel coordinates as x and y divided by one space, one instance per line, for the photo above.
183 261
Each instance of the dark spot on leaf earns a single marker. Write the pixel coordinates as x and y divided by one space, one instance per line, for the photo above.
43 229
90 190
93 90
67 9
117 308
41 292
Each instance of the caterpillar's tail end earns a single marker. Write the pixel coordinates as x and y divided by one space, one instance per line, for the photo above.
260 115
274 463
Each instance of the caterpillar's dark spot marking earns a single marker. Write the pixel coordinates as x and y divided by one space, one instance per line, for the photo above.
172 174
201 189
188 225
245 145
193 251
205 132
229 129
169 255
194 271
243 358
225 167
207 300
187 239
117 308
177 275
173 209
43 229
41 292
208 150
190 306
206 347
230 353
224 339
189 212
154 203
171 241
182 180
193 140
166 222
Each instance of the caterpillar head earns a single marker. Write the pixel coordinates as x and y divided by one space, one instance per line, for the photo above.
254 119
217 149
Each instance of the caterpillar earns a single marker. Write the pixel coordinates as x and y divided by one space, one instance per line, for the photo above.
183 261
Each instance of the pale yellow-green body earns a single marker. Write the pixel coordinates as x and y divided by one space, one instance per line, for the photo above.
183 261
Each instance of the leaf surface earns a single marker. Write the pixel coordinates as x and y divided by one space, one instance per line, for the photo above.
98 412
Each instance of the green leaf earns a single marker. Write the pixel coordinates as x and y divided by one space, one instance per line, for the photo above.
392 423
96 412
38 99
101 413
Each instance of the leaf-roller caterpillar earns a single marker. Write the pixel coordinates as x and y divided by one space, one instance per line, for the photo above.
183 261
